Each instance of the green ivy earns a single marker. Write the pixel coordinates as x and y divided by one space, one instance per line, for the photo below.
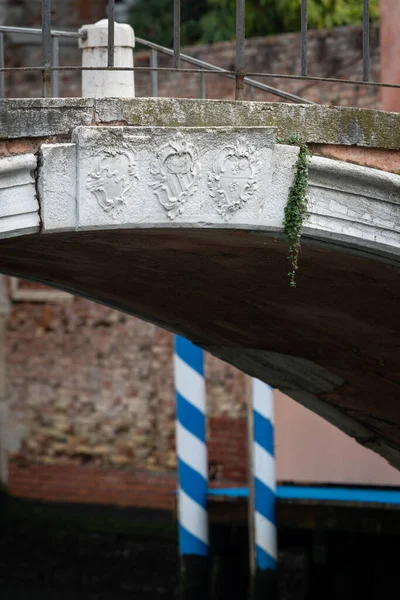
296 208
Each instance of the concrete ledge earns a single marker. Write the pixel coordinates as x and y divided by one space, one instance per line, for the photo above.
39 117
315 124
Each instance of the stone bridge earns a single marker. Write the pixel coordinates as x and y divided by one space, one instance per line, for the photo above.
173 210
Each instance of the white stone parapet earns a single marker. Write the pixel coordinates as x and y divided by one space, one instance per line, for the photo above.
235 177
208 177
107 83
19 206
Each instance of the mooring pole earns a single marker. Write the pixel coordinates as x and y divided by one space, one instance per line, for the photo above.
191 447
4 312
262 494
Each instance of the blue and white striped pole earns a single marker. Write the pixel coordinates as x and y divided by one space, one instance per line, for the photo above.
264 490
191 447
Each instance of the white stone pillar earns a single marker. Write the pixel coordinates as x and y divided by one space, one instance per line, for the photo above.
4 311
107 84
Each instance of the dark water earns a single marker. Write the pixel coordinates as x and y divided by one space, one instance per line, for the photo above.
76 553
56 552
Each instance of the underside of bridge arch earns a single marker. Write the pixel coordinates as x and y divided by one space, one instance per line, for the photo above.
331 342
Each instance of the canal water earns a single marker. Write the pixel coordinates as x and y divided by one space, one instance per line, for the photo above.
86 553
75 552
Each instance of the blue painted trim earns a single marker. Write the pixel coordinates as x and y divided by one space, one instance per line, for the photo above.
264 432
189 353
339 494
192 483
191 417
189 544
264 561
230 492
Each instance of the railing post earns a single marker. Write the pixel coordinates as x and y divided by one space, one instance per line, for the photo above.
203 87
2 78
4 312
46 47
191 445
111 33
240 49
177 34
55 62
251 92
153 74
366 40
107 82
304 27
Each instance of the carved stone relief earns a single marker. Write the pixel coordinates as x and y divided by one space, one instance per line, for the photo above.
232 180
114 178
175 172
120 175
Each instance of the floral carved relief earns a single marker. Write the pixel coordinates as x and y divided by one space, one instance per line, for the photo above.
175 172
233 178
114 178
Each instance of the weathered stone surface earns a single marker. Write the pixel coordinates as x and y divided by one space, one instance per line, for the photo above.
315 124
355 202
208 177
58 167
141 176
97 84
36 117
19 206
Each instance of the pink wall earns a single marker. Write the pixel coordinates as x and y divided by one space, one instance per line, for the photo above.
311 450
390 53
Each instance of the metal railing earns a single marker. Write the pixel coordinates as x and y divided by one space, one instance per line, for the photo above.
206 68
50 67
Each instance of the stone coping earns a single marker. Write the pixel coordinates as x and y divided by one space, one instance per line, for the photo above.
40 118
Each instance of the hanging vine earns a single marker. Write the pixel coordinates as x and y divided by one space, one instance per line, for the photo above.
296 208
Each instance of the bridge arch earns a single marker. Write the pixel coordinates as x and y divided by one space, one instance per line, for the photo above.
212 265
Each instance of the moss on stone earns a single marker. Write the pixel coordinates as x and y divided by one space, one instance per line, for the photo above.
313 123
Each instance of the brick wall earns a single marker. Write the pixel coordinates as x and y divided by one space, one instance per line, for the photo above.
331 53
74 483
94 385
227 449
92 407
